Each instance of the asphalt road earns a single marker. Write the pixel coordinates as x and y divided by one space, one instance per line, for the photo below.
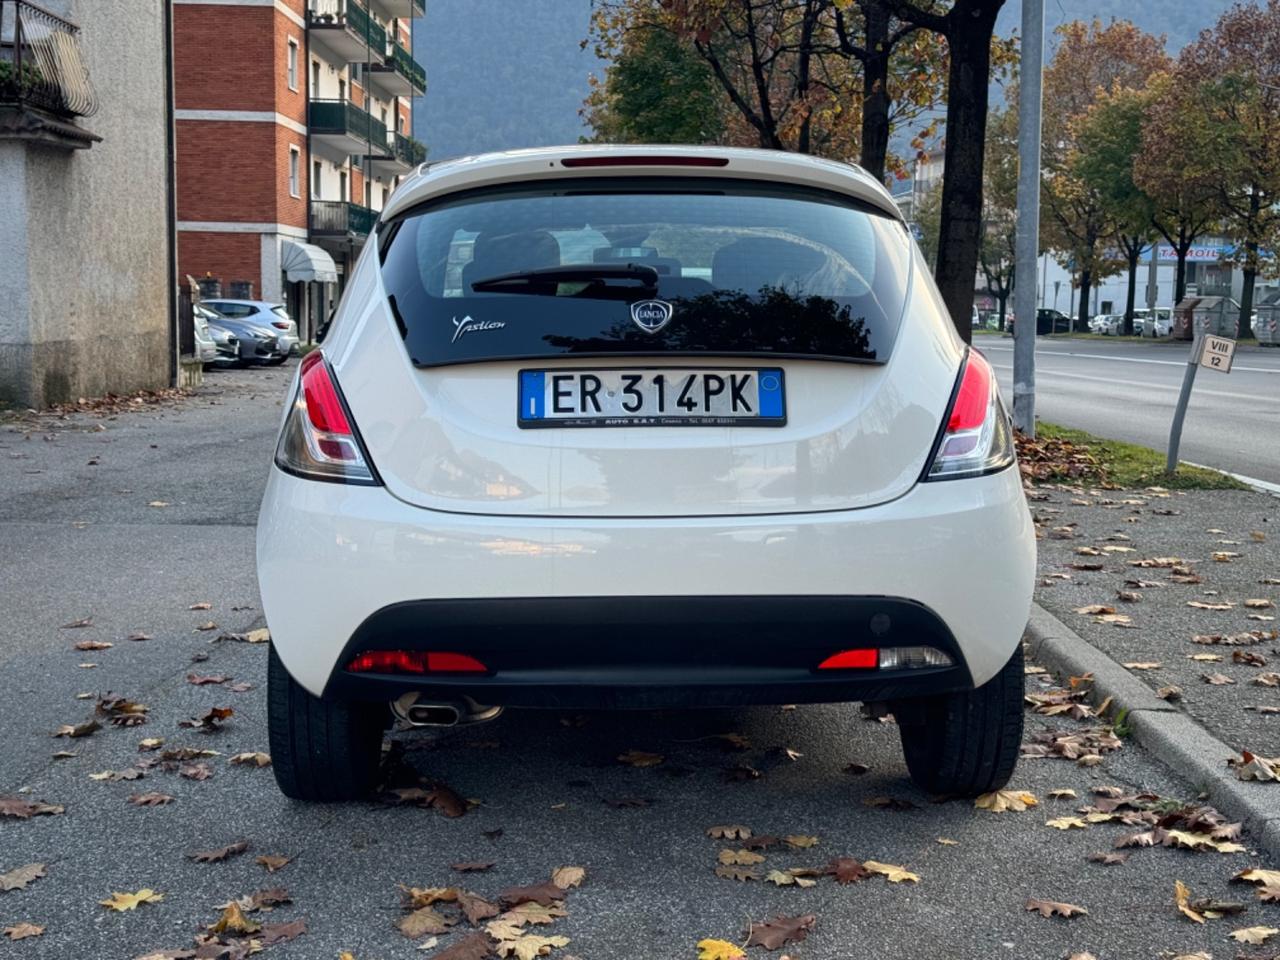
1127 390
81 539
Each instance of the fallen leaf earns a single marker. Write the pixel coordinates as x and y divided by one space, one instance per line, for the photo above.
1108 859
19 878
21 931
273 933
477 946
1252 767
948 842
195 771
1095 609
567 878
423 921
1001 800
1216 679
75 731
799 841
1181 899
210 720
20 808
234 922
78 624
847 870
894 874
251 759
530 946
740 857
730 832
1171 693
545 893
150 743
1259 604
1143 665
775 933
94 645
1050 908
719 950
638 758
130 901
272 862
1201 605
201 680
475 908
220 854
1062 793
151 799
784 878
476 866
888 803
1253 935
202 605
1066 823
737 873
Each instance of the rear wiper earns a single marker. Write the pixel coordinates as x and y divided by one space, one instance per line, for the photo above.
529 281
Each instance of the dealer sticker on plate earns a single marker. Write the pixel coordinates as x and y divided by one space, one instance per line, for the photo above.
653 397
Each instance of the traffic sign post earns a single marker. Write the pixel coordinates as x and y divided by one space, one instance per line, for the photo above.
1213 353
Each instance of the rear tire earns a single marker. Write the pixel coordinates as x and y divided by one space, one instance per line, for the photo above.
966 743
321 750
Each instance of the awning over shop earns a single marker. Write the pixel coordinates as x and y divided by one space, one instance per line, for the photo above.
305 261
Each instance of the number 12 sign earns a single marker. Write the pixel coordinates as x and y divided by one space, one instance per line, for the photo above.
1217 352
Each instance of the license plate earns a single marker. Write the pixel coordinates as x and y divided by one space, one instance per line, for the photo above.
652 397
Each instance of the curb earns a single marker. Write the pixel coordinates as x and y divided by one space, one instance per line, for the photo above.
1165 731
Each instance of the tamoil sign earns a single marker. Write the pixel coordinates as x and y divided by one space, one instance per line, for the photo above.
1216 353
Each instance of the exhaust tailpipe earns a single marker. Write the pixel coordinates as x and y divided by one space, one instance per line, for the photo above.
420 713
432 715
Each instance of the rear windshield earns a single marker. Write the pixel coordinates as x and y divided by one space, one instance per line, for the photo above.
648 267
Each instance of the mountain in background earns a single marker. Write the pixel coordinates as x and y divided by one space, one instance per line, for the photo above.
503 74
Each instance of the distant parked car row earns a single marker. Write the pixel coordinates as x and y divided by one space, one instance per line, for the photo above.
237 332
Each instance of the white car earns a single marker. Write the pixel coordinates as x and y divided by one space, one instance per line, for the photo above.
687 427
264 313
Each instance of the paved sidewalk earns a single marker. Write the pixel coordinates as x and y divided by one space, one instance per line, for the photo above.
1092 541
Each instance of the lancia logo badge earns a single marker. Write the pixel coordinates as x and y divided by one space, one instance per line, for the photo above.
651 315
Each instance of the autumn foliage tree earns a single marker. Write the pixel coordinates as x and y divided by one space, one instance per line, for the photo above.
997 255
1079 221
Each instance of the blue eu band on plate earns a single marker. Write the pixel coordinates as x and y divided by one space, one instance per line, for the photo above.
652 397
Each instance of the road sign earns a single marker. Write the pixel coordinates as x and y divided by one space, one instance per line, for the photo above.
1217 352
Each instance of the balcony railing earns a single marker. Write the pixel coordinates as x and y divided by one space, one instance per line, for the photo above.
40 61
344 117
409 150
341 218
408 67
350 14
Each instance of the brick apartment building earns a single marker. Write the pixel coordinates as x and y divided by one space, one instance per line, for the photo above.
293 127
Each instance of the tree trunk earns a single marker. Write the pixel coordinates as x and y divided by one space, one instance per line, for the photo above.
960 232
1132 252
1082 310
1001 301
1245 328
1180 276
875 91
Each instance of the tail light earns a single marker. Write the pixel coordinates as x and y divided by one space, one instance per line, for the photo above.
977 438
319 440
280 324
413 661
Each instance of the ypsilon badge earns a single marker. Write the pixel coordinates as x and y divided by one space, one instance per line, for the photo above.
651 315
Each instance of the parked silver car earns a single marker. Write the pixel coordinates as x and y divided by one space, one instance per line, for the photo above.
257 343
206 351
265 314
225 341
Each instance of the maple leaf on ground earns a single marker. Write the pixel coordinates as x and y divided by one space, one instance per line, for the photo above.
1001 800
150 799
477 946
258 759
1050 908
130 901
475 908
273 933
21 931
534 913
234 922
894 874
1066 823
220 854
775 933
1267 878
20 808
423 921
545 893
19 878
719 950
195 771
530 946
731 832
568 877
209 721
1251 767
847 870
1253 935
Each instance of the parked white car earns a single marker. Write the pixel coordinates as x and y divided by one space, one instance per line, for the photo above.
689 427
264 313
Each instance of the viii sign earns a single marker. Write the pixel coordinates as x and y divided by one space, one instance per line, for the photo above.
1216 353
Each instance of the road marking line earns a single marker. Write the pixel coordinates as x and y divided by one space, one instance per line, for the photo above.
1164 387
1101 356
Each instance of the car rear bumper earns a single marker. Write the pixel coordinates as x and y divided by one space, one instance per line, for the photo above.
645 611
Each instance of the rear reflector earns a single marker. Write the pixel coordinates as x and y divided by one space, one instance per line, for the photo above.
863 659
645 161
414 661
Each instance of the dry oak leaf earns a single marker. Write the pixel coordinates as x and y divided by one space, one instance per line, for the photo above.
150 799
1095 609
220 854
423 921
195 771
1050 908
530 946
784 878
545 893
639 758
75 731
1252 767
129 901
233 921
1267 878
21 931
740 857
19 878
1267 680
1216 679
272 862
780 931
731 832
535 913
94 645
476 908
1181 899
999 801
891 872
415 897
798 841
719 950
258 759
209 721
1259 604
20 808
1254 935
1062 793
725 872
568 877
1171 693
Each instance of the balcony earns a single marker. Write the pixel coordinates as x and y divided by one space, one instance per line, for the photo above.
345 129
346 30
341 220
398 8
44 84
400 75
405 154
